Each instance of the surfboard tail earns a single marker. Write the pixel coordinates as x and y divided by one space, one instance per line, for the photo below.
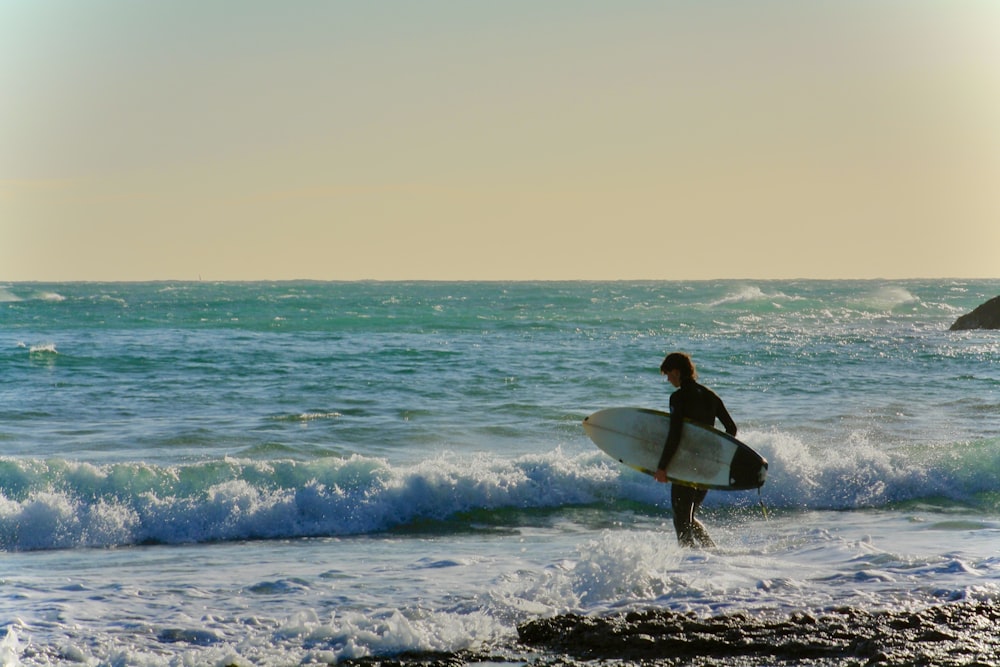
747 470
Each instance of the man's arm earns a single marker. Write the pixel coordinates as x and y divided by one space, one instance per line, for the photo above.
673 439
723 416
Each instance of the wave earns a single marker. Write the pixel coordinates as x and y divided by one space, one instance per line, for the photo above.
886 298
307 416
864 299
749 293
861 473
56 504
41 348
6 296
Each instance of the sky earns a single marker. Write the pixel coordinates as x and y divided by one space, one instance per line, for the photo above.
507 140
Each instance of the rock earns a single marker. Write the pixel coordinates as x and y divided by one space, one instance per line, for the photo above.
986 316
947 634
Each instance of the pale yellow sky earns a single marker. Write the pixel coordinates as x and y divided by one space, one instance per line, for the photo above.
499 140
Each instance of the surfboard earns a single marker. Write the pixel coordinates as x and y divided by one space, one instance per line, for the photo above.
706 457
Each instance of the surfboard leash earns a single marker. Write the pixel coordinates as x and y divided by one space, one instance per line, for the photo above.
763 507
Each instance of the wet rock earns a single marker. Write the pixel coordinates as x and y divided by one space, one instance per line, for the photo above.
986 316
949 634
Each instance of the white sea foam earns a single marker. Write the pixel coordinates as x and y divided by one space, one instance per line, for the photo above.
8 649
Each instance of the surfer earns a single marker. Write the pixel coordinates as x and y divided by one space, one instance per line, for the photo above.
699 404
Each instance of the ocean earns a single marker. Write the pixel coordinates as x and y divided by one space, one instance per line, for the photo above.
288 473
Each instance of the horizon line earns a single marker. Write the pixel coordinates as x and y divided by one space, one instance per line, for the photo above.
486 280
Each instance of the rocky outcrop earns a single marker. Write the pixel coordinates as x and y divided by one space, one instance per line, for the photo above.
947 634
986 316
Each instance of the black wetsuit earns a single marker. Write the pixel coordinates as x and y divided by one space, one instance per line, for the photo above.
699 404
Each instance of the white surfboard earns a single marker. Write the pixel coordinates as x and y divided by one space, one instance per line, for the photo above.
706 458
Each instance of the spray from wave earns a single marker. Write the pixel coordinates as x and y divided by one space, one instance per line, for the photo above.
749 294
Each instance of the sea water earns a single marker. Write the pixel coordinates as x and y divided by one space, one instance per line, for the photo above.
310 472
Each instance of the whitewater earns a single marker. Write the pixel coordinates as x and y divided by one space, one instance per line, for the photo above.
289 473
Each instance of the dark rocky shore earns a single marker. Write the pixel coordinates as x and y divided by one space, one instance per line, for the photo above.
953 634
950 634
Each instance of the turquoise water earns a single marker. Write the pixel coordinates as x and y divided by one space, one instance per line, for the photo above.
283 472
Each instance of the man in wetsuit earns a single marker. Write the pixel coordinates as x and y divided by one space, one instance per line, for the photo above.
699 404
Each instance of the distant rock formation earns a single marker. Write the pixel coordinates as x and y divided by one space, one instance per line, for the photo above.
986 316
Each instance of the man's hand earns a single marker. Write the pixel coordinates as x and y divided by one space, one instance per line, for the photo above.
661 476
